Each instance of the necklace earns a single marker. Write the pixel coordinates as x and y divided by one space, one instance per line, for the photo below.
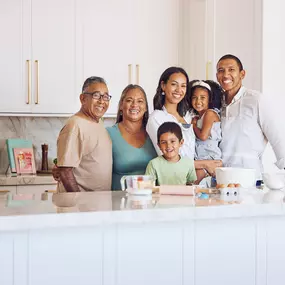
128 130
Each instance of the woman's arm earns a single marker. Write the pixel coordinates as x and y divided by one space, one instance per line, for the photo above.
151 128
209 118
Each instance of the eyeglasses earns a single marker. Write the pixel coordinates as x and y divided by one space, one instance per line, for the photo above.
97 95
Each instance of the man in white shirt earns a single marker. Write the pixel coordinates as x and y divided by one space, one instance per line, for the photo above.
249 120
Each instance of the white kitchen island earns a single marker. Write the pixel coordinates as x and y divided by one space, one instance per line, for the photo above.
173 241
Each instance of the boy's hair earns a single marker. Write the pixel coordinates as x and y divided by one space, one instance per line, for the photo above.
169 127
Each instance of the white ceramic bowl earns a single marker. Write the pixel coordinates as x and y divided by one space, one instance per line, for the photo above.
274 180
244 176
65 199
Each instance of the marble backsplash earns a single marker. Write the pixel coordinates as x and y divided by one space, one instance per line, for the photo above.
39 130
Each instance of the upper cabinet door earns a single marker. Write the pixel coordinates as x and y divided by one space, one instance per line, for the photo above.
211 30
239 34
107 44
273 47
193 38
15 56
157 41
54 58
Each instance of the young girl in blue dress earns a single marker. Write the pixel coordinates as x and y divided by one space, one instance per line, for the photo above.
205 99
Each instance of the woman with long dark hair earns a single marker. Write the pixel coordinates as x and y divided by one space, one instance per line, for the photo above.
171 104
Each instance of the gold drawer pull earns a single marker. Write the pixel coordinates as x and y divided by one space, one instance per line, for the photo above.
37 82
130 73
208 64
29 82
138 73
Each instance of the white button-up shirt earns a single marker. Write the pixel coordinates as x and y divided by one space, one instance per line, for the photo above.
158 117
248 122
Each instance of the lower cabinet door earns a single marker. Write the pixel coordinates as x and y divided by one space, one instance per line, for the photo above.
66 256
11 189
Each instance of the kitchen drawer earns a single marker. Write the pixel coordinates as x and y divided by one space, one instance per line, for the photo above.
12 189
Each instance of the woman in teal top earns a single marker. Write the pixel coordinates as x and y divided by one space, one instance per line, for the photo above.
131 146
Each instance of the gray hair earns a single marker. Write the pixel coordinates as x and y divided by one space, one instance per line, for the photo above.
91 80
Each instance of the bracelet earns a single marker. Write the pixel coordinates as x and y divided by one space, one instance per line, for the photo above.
206 173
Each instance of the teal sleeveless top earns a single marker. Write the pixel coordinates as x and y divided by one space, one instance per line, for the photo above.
127 159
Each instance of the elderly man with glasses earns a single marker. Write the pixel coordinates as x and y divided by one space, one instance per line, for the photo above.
84 148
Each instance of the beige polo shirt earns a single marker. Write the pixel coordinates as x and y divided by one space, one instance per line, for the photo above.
86 146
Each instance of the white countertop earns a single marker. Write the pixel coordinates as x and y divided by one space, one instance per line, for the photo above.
26 180
106 208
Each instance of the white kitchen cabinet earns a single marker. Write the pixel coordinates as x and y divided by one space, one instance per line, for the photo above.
13 265
156 39
54 42
66 256
15 50
149 246
56 45
275 254
38 57
273 43
11 189
232 261
128 41
106 32
213 28
6 260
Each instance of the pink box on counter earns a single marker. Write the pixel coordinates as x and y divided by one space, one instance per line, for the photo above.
185 190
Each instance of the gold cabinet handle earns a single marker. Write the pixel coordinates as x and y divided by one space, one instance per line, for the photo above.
130 73
138 74
37 82
208 65
29 82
